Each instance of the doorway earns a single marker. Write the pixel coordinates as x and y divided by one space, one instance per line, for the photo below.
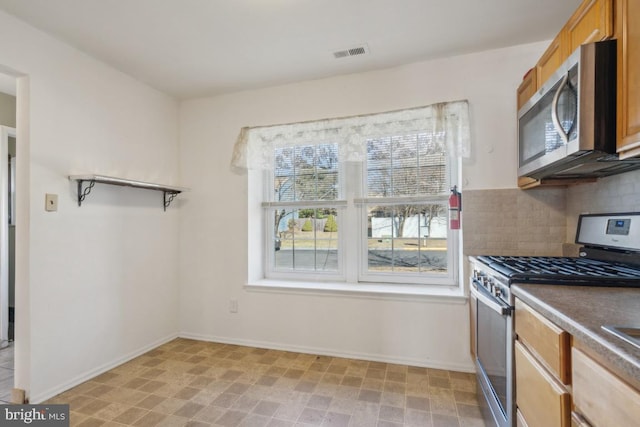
7 259
7 233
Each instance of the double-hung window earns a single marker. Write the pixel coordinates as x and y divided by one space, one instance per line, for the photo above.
303 211
360 200
408 176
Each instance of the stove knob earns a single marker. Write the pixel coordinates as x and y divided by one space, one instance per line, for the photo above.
497 292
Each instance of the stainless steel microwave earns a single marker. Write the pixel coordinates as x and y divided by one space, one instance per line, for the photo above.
568 128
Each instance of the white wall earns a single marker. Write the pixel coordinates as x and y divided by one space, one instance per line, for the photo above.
99 283
213 240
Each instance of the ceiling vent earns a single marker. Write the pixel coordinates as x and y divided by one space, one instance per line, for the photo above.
352 51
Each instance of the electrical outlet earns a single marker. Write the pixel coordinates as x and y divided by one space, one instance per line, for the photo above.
233 306
50 202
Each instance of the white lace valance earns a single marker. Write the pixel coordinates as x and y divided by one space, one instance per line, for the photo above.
447 121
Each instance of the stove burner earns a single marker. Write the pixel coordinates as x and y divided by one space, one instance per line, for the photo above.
564 270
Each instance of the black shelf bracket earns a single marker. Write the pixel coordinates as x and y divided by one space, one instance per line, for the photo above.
168 198
82 194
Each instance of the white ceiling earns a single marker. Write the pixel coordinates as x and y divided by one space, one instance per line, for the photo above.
194 48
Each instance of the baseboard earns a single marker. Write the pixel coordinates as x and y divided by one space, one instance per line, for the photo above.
433 364
41 397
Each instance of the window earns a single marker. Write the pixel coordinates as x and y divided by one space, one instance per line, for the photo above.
357 200
407 184
305 208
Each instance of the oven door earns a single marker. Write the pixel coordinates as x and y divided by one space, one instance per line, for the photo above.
494 354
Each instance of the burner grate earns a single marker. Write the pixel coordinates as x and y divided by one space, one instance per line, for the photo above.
561 269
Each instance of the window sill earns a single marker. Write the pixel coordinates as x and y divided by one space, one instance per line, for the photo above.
453 294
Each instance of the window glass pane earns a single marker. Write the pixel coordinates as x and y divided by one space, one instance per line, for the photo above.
306 172
379 167
432 160
307 240
407 238
404 162
405 165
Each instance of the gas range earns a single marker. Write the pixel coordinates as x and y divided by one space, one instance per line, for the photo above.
563 270
610 256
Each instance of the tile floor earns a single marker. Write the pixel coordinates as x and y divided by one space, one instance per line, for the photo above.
194 383
6 372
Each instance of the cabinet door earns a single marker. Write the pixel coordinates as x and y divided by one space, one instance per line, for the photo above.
527 88
542 400
591 22
601 397
628 110
548 341
550 60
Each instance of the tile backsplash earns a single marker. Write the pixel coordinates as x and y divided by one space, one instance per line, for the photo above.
541 221
618 193
514 222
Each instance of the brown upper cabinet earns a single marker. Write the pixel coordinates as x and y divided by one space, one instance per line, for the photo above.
550 60
591 22
627 31
527 88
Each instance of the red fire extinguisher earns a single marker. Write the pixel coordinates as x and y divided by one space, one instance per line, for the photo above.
455 208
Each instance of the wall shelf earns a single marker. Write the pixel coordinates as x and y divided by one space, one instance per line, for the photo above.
169 192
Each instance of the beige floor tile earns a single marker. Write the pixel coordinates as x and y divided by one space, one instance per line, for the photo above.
209 414
189 410
91 422
416 418
131 415
150 419
197 384
231 418
254 420
150 402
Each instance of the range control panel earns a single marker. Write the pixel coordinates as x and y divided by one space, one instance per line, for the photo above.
612 231
492 284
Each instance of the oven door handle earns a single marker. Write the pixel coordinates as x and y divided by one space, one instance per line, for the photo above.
487 299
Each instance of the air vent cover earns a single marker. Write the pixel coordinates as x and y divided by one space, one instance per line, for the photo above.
352 51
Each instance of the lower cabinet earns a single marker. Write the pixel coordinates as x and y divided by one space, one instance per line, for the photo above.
541 399
601 398
542 370
558 384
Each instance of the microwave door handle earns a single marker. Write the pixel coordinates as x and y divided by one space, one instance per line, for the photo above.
554 110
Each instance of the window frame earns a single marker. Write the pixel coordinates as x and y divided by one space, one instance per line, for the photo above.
352 276
271 272
354 269
340 203
452 175
367 276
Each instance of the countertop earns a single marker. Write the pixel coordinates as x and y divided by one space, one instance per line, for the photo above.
582 310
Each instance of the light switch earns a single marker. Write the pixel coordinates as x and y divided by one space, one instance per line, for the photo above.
50 202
